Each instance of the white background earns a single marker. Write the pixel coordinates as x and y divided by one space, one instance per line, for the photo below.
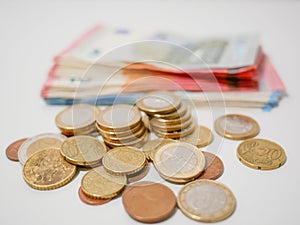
32 32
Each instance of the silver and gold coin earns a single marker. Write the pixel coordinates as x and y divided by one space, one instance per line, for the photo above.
124 160
77 119
119 117
236 127
159 102
83 150
179 162
201 137
151 147
38 143
261 154
206 201
47 170
100 184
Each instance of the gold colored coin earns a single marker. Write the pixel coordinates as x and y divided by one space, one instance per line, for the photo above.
175 134
159 102
83 150
179 162
79 119
100 184
124 160
236 127
201 137
182 110
151 146
120 117
261 154
206 201
47 170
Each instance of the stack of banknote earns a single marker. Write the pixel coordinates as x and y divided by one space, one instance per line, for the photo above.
108 65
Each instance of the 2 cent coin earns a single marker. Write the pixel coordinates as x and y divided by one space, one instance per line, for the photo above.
13 148
149 202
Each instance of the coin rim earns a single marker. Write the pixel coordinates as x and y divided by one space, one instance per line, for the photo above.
207 217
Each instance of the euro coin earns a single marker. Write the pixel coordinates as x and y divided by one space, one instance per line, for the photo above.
77 119
151 147
179 112
91 201
38 143
119 117
206 201
139 174
261 154
201 137
168 122
149 202
174 127
236 127
99 184
13 149
124 160
158 103
83 150
46 170
179 162
175 134
213 167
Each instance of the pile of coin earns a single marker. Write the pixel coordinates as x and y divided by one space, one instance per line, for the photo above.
51 160
122 125
77 119
169 116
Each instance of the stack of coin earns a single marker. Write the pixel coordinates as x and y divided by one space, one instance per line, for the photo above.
169 117
122 125
77 119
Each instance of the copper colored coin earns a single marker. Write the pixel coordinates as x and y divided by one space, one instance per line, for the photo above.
214 167
91 201
13 148
138 175
149 202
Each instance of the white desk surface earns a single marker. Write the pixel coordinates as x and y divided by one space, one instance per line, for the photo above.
32 32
